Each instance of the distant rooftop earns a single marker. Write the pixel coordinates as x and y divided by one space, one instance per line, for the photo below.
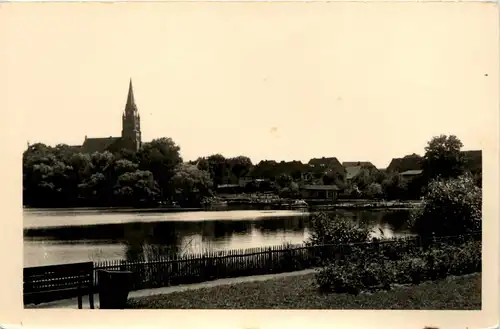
411 172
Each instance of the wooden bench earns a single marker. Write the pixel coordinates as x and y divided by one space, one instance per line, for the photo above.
55 282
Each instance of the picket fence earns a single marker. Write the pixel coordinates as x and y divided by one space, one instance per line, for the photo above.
194 268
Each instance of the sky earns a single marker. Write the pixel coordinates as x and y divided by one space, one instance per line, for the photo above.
282 81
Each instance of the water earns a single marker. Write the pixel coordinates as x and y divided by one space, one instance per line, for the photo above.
67 236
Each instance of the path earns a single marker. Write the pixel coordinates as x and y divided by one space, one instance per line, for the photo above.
72 302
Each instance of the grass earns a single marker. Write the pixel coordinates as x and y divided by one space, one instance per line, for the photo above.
300 292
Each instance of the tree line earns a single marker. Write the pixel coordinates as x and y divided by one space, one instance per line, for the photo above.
63 176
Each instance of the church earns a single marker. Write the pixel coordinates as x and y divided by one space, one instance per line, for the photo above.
131 131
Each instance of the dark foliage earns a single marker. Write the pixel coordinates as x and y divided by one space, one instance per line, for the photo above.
451 207
355 275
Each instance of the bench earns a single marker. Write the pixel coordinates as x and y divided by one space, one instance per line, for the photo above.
54 282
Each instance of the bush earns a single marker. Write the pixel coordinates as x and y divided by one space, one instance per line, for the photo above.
467 259
410 270
326 229
374 191
338 232
451 207
411 267
340 277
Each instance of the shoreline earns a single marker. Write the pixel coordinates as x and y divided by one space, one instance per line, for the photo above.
246 206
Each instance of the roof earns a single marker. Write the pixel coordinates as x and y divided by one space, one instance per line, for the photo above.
357 164
411 172
352 171
327 162
408 162
91 145
320 187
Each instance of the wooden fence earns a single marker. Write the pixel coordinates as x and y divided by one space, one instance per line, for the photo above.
196 268
162 272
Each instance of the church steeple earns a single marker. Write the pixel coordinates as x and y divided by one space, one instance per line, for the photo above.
130 98
130 107
131 126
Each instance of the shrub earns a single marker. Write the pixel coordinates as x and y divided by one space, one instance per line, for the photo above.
326 229
338 232
374 190
410 267
451 207
438 262
467 259
377 274
410 270
340 277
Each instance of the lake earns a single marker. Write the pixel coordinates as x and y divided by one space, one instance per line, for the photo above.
78 235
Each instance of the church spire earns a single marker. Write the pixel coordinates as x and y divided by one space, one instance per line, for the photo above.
131 125
130 107
130 98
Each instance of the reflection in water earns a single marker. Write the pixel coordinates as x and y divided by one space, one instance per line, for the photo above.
146 239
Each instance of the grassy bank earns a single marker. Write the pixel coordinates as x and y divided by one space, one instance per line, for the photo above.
300 292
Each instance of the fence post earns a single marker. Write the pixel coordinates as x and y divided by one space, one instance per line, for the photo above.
270 258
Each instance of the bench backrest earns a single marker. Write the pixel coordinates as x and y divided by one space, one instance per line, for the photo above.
58 277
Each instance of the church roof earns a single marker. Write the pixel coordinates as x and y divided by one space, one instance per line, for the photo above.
91 145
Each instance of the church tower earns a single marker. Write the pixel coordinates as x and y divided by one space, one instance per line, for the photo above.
131 123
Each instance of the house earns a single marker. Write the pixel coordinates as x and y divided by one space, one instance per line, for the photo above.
351 172
365 164
353 168
319 192
406 163
472 161
326 163
410 174
324 166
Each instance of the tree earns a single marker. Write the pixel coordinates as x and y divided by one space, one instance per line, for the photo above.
452 207
218 167
394 187
191 184
363 179
374 190
266 169
135 187
333 177
290 191
46 178
240 166
63 152
123 166
284 180
160 156
443 158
